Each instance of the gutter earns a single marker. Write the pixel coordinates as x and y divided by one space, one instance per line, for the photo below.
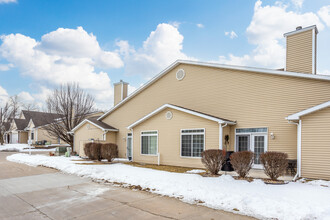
298 174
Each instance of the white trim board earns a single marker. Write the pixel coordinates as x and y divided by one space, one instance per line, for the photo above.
297 115
313 27
220 121
214 65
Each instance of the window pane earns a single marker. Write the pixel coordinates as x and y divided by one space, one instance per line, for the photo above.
250 130
259 147
186 145
149 132
153 145
243 143
144 145
198 145
193 131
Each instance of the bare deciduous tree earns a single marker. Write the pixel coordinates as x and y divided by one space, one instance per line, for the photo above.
73 105
7 115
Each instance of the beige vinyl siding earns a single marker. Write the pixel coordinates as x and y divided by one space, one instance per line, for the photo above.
42 134
169 134
125 90
117 93
83 135
299 52
315 145
253 99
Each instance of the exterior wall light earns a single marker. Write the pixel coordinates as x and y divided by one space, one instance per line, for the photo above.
272 136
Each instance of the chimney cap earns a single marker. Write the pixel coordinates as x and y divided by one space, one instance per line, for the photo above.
301 29
121 82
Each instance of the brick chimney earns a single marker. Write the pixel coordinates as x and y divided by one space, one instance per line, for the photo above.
301 50
120 91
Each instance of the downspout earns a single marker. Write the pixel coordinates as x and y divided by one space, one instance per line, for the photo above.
132 146
298 174
221 134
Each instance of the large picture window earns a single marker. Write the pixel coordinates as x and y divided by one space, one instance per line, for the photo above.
149 142
192 142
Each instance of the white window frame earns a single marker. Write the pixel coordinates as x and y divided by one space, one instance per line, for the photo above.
252 134
204 132
141 135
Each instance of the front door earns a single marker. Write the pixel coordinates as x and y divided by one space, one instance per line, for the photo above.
129 146
255 142
258 147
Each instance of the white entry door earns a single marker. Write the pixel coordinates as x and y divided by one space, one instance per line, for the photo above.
255 142
258 147
129 146
14 138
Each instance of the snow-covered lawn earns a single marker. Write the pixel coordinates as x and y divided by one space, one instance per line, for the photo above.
295 200
21 148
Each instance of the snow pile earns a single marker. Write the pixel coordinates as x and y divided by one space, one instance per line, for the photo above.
21 148
290 201
196 171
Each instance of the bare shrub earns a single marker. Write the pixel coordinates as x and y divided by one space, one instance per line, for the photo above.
275 163
242 162
87 150
109 151
213 160
96 151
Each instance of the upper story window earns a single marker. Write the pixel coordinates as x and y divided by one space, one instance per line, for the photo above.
192 142
149 142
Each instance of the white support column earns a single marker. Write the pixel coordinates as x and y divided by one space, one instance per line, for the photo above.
220 136
299 148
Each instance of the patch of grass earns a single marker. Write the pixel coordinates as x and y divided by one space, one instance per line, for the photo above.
174 169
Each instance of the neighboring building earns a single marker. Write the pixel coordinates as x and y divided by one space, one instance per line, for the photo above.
191 106
30 126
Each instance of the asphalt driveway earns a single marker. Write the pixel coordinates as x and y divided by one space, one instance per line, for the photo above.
43 193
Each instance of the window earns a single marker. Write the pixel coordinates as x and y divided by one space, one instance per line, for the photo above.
32 135
192 142
149 142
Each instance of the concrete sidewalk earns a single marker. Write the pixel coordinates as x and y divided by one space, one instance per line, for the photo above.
42 193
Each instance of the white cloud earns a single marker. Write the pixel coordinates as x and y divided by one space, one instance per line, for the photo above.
298 3
200 25
7 1
6 67
175 24
231 34
62 56
25 97
161 48
266 30
78 43
3 96
324 14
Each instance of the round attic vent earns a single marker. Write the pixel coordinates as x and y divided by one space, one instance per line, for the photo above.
180 74
88 126
168 115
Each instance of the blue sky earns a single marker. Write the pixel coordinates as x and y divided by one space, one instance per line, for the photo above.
96 43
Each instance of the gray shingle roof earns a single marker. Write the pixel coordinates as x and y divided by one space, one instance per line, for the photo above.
40 118
100 123
21 124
